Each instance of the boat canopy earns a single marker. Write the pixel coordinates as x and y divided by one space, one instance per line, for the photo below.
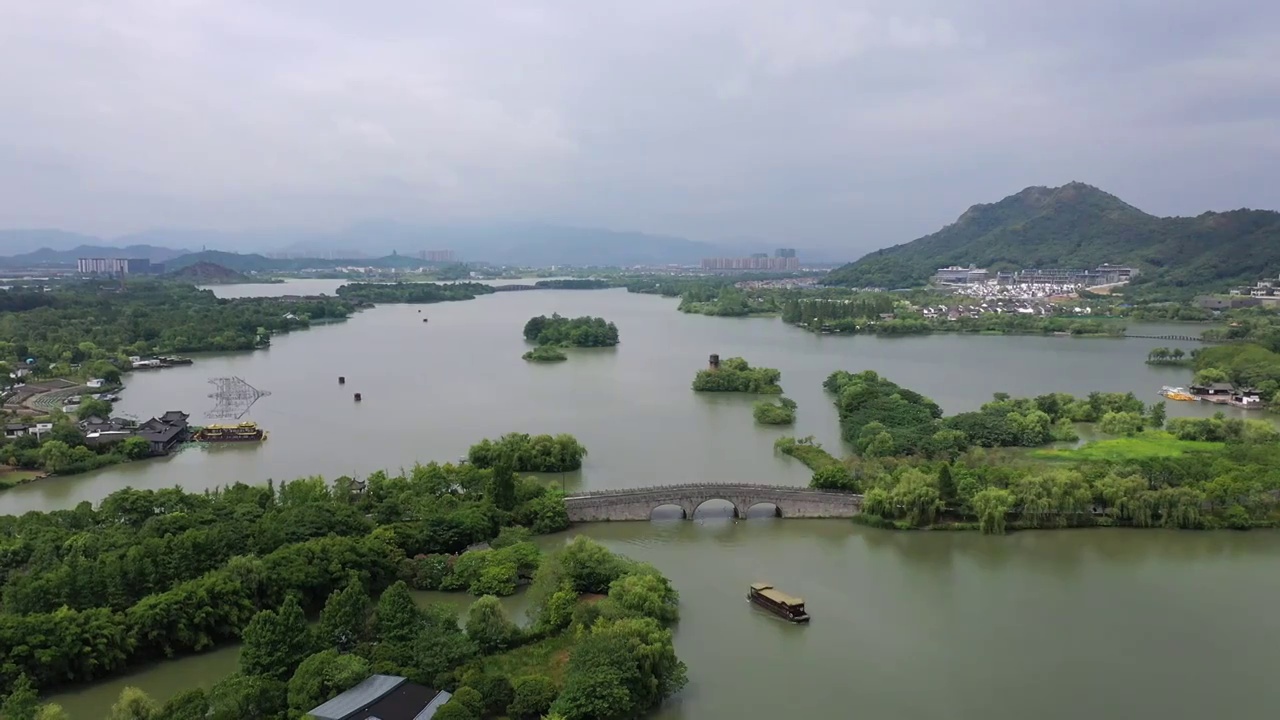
781 597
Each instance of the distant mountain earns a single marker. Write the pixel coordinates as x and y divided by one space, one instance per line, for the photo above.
1080 226
253 262
513 244
15 242
505 244
207 273
47 257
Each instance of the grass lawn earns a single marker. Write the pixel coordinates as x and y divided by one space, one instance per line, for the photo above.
9 478
811 455
1149 444
548 657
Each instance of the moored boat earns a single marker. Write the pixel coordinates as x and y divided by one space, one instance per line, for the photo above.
777 602
1176 393
243 432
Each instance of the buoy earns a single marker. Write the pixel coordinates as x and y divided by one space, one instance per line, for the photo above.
424 319
342 379
357 397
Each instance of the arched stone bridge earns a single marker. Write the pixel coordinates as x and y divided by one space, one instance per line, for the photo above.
639 503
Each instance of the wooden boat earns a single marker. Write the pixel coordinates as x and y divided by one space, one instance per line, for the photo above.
244 432
777 602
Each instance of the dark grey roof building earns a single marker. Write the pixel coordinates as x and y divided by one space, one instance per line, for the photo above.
383 697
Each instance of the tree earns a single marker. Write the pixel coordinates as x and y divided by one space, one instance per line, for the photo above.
833 477
1158 415
496 690
54 711
454 710
620 669
398 623
645 593
992 505
470 698
242 696
1120 423
135 448
946 484
488 625
397 618
502 485
532 696
190 704
345 616
22 702
323 676
276 641
1211 375
91 407
134 704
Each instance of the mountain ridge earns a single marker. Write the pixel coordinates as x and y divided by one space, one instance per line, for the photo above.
504 243
1079 225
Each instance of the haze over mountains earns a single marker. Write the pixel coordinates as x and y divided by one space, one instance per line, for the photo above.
514 244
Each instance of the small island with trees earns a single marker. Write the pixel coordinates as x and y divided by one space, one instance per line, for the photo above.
571 332
735 375
782 412
416 293
545 353
529 453
996 469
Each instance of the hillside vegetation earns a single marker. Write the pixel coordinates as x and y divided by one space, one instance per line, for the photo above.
1080 226
207 273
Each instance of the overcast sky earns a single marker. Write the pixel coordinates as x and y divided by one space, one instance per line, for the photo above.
824 123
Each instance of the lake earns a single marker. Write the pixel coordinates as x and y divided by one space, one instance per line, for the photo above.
1111 623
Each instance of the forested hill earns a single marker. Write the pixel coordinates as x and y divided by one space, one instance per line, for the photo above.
1080 226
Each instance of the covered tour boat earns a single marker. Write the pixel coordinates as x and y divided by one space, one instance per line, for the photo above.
244 432
777 602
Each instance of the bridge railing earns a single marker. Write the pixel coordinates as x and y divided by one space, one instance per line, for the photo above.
713 487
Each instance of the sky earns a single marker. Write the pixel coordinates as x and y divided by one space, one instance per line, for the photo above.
850 124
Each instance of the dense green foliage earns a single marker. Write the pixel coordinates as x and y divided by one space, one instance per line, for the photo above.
782 412
153 574
624 662
530 453
1195 484
677 286
99 325
575 332
881 419
63 450
735 375
1165 356
575 284
545 353
1242 364
916 466
835 313
413 292
1079 226
727 301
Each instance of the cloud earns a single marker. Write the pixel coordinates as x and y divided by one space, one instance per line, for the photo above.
843 123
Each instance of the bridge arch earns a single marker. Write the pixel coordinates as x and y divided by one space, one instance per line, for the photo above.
669 511
699 502
767 508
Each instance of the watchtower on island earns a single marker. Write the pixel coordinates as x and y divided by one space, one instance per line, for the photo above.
714 363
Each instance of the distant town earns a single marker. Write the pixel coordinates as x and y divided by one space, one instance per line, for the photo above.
1034 283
